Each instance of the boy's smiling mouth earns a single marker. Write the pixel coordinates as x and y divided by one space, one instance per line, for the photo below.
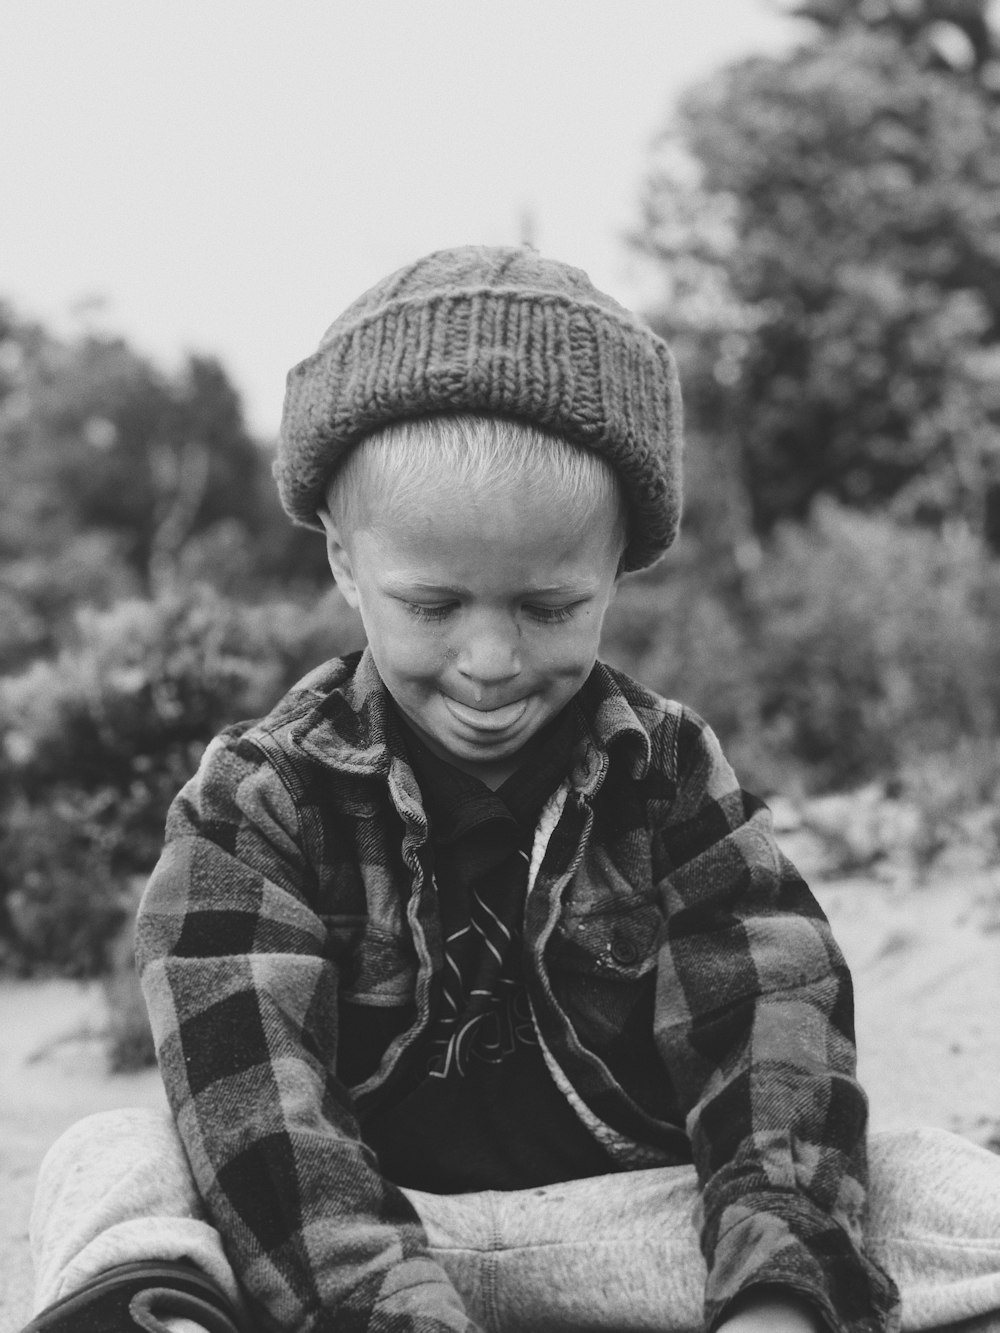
486 719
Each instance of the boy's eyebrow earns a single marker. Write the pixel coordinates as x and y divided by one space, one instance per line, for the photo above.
542 589
401 584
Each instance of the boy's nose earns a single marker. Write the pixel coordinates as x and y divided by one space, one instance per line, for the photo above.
489 659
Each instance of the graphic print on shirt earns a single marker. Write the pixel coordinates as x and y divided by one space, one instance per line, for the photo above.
485 1010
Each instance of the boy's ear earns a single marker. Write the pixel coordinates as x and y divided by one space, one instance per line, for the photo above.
339 560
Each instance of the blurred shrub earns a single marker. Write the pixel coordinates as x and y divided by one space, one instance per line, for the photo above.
39 595
23 633
679 631
957 797
854 649
95 742
874 643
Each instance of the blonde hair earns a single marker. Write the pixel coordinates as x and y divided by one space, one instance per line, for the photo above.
394 464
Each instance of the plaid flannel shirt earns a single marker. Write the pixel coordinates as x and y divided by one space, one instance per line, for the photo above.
690 1001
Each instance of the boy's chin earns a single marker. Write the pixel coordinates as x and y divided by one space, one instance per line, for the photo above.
490 757
470 755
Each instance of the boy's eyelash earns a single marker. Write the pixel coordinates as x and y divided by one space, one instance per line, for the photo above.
550 615
545 615
428 612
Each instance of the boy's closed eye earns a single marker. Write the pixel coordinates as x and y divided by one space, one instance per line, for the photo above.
544 615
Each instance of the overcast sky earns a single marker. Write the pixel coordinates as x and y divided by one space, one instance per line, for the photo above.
227 175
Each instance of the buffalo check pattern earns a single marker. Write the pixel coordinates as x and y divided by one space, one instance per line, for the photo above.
688 996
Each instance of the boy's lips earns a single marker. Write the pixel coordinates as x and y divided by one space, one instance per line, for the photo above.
486 719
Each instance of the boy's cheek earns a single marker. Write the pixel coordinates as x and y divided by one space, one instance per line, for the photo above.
401 651
571 654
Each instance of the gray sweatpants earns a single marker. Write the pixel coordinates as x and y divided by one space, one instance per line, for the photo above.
610 1252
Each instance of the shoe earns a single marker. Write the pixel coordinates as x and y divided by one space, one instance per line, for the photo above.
140 1296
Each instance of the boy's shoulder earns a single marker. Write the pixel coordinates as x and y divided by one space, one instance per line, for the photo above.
337 714
665 732
651 709
312 690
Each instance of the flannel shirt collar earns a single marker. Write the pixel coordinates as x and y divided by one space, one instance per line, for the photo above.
458 803
349 724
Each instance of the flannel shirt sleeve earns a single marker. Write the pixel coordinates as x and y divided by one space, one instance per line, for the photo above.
755 1022
241 987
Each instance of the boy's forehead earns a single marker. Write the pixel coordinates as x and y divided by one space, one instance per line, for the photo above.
536 545
514 505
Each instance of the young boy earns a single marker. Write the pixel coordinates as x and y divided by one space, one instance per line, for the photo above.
481 992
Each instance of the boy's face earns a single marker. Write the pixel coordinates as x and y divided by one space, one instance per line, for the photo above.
483 613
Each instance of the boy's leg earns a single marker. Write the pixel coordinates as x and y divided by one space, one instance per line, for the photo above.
115 1190
934 1224
620 1252
613 1252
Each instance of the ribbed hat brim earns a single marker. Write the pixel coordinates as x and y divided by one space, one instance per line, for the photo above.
569 366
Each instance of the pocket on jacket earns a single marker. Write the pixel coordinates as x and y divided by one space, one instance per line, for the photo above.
616 942
601 967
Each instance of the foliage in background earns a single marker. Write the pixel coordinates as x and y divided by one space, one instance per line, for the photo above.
950 35
830 266
856 647
95 742
121 481
823 227
151 590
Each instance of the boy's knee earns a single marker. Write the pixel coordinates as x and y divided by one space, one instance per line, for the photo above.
920 1149
932 1181
104 1156
123 1122
114 1131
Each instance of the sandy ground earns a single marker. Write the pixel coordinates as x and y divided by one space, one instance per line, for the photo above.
926 962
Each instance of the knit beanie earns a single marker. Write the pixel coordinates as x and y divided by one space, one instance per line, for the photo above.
496 331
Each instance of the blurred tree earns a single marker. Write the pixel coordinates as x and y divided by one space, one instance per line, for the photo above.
150 591
941 34
831 269
119 479
96 741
